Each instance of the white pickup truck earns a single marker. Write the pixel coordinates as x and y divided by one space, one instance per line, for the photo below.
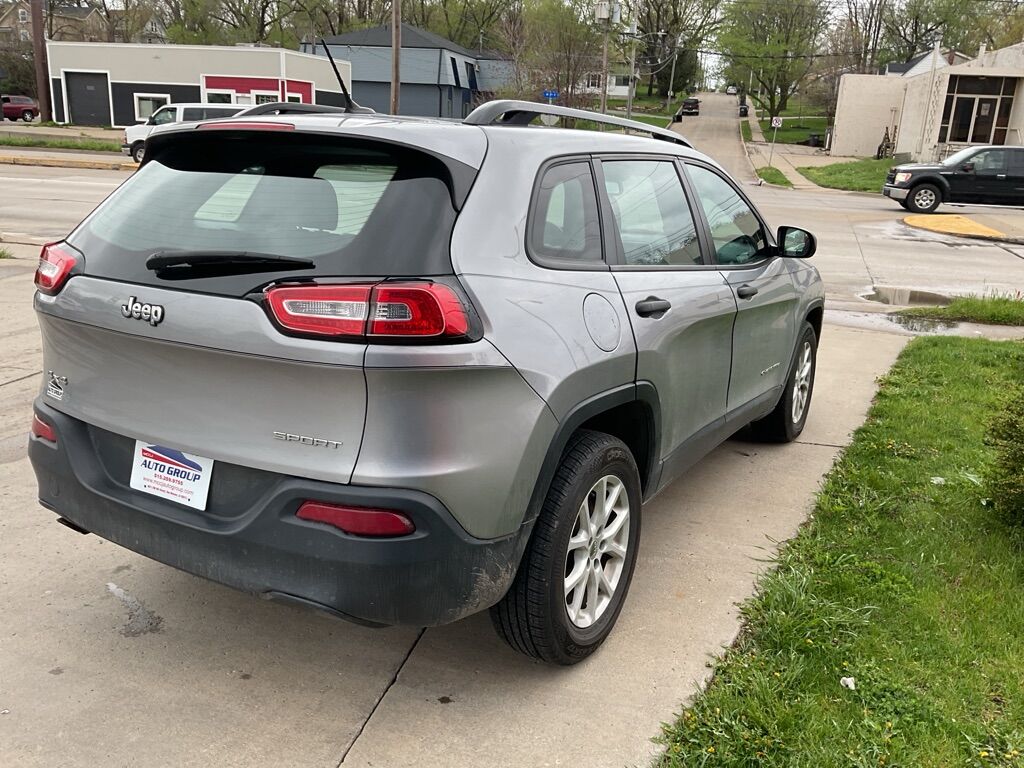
134 142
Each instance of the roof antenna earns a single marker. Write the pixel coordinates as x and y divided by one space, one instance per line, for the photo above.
350 104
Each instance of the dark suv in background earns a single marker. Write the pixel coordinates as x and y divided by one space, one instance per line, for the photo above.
992 175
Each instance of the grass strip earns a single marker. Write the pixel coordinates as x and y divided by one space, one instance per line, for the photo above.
903 580
856 176
991 310
795 130
44 142
773 175
745 129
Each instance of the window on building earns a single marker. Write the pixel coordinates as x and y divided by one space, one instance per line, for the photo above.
977 110
471 76
24 35
219 98
294 98
621 81
23 16
594 81
266 98
455 71
148 103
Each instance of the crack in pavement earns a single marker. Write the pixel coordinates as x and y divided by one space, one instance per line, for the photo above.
387 688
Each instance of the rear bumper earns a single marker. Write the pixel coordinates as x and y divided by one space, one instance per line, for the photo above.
896 193
434 576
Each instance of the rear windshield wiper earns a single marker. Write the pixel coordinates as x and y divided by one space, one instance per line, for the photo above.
212 263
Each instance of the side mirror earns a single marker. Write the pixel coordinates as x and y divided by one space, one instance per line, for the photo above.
796 243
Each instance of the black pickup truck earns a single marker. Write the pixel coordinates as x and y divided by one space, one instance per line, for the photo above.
992 175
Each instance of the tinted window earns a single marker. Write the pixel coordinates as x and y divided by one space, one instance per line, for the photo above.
191 114
653 219
212 113
737 234
354 208
564 223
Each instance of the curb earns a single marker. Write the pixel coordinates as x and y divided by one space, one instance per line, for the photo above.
20 238
969 236
71 162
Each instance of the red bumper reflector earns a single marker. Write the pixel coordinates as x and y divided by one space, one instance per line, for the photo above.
42 430
359 521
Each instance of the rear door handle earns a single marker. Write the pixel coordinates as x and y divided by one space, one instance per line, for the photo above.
746 291
652 305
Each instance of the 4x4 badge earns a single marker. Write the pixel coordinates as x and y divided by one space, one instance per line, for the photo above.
55 386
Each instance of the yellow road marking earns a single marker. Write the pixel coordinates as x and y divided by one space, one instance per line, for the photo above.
951 224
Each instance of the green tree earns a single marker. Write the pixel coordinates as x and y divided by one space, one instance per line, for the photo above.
776 41
17 70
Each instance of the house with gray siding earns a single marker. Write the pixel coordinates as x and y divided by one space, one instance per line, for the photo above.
439 77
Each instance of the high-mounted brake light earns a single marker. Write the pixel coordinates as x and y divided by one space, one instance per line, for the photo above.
244 125
388 310
55 264
42 430
359 521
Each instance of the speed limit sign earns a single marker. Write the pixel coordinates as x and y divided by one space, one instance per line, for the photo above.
776 122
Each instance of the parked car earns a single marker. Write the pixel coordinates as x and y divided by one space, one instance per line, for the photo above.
406 370
690 106
744 111
993 175
20 108
731 90
134 141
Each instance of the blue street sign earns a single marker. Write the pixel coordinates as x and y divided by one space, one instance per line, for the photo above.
551 93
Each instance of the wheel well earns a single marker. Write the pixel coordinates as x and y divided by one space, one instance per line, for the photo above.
633 424
814 317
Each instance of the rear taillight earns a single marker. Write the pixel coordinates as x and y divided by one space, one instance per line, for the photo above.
42 430
386 310
55 264
359 521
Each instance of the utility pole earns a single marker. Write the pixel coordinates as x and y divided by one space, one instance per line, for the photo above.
39 56
396 51
632 70
672 77
604 73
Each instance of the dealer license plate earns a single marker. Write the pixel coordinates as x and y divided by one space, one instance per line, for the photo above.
171 474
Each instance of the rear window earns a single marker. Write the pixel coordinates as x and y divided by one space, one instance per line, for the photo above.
354 207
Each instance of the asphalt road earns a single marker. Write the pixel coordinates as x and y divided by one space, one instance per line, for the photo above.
107 658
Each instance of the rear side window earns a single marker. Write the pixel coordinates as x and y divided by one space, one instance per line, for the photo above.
564 224
354 207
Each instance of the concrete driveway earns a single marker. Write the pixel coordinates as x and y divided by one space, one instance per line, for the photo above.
107 658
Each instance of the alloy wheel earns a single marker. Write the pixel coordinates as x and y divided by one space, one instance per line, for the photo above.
924 198
802 382
596 555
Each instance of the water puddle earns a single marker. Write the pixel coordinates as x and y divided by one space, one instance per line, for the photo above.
906 297
924 325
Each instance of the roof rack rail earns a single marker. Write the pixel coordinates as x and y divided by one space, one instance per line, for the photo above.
295 108
512 112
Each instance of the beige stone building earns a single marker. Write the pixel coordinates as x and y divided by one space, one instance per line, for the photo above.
939 106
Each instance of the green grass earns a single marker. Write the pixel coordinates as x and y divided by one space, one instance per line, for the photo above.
774 176
858 176
5 254
94 145
911 587
661 121
794 130
992 310
745 129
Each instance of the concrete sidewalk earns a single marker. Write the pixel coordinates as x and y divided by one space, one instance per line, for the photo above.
107 658
103 161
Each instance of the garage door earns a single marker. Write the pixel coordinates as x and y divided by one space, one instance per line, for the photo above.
88 98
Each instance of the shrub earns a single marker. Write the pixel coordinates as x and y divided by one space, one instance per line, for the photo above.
1004 477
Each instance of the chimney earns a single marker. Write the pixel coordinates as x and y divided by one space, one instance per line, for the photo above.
982 49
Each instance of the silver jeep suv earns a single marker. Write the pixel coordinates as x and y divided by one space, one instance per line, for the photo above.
404 370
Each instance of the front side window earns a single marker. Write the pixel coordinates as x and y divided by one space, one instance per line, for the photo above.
163 116
989 162
735 229
564 223
653 218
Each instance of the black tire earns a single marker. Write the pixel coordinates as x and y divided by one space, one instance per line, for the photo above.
924 198
138 150
779 426
27 116
904 205
534 617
